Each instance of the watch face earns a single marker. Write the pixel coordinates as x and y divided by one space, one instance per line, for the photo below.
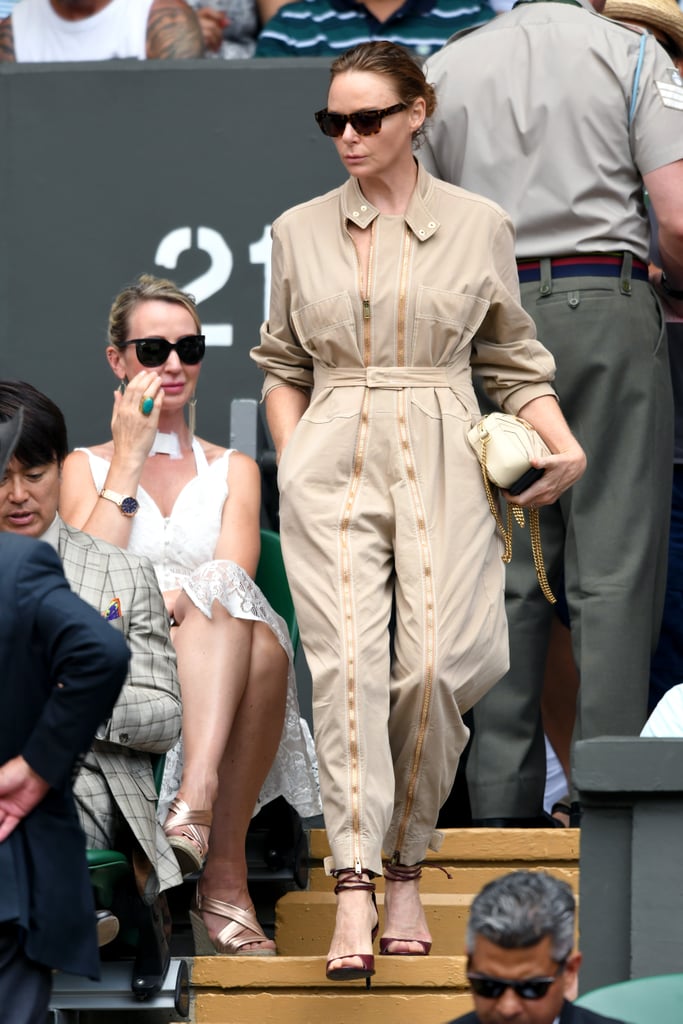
129 506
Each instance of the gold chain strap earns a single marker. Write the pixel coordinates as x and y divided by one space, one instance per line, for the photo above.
506 531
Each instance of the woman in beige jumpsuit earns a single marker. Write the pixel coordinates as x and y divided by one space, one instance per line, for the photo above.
385 292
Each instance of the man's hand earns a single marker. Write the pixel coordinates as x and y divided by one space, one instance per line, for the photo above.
212 23
21 789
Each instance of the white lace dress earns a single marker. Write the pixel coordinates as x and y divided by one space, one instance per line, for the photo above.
181 547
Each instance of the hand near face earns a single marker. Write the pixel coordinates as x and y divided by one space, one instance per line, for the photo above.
133 432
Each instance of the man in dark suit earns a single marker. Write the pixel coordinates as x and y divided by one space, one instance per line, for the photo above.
520 958
62 668
114 792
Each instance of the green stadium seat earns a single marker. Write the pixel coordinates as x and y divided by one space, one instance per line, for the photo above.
655 1000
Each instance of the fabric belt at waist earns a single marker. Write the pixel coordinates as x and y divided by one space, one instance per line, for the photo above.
590 265
388 377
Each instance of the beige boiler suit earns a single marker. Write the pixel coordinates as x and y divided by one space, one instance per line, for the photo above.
382 503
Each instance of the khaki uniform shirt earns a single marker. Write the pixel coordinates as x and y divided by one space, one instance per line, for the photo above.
533 111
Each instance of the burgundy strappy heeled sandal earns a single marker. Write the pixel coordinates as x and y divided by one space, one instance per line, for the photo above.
346 881
402 873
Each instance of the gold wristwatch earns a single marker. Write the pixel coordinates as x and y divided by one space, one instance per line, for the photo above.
128 506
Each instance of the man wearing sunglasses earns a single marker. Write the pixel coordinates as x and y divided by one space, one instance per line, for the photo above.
520 962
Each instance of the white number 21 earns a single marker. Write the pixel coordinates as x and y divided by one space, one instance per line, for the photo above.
178 241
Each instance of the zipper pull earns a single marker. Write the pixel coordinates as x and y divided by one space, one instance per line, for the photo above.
366 309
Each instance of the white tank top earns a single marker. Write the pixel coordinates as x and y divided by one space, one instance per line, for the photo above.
118 30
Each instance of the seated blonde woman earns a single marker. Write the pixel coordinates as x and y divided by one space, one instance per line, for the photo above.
193 508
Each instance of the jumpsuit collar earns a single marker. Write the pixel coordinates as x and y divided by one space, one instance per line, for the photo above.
418 216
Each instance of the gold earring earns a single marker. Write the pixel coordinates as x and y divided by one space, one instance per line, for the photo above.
192 416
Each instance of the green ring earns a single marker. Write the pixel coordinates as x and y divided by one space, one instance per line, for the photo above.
146 406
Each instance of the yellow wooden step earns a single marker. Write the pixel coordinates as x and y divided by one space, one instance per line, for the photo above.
294 990
475 856
464 879
487 846
304 921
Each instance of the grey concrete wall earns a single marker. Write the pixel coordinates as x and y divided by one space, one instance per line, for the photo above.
176 168
631 903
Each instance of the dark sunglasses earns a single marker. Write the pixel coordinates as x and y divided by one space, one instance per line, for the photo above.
528 988
155 351
364 122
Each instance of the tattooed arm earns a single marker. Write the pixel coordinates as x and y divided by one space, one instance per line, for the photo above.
173 31
7 41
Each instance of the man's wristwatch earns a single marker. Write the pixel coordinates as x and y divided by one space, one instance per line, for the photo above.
127 505
673 293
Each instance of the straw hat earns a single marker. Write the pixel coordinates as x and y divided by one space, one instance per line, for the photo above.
664 15
9 436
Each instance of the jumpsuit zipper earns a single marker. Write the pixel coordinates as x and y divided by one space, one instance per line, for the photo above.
428 583
351 696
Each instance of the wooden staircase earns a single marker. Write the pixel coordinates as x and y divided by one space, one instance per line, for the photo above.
292 988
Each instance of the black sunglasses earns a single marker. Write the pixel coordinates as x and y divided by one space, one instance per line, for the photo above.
528 988
364 122
155 351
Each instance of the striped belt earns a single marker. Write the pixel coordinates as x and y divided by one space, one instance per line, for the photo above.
591 265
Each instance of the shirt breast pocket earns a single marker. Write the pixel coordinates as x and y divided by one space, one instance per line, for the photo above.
445 323
327 330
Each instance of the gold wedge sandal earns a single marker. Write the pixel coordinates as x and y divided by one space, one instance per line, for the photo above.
191 845
242 930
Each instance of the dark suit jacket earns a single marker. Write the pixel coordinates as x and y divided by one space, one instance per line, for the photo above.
61 668
570 1014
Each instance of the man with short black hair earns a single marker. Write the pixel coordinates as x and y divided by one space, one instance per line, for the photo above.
114 790
62 668
520 958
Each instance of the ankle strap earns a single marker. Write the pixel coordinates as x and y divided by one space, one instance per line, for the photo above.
402 872
347 880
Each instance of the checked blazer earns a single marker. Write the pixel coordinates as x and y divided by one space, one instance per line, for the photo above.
146 718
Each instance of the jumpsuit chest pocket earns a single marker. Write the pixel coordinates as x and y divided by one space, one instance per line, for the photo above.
445 322
327 329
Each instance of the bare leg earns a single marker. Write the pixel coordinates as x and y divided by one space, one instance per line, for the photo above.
560 689
249 753
213 667
355 920
405 926
558 701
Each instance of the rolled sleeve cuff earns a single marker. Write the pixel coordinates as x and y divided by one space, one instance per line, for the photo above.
518 398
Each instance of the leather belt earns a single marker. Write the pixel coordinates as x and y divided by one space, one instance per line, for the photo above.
591 265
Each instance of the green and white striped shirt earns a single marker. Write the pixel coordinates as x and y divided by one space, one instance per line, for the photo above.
320 28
